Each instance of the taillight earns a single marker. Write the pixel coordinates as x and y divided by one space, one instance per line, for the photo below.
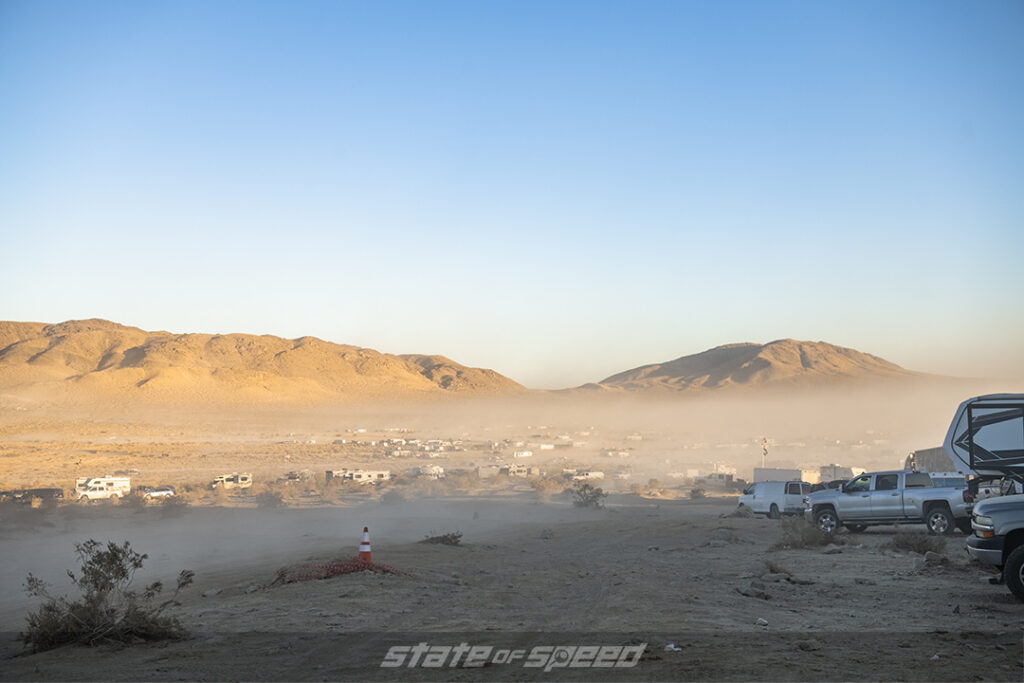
968 498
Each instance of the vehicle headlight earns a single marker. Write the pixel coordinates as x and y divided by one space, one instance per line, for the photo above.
983 526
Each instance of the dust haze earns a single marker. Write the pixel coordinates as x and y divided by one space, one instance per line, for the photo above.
530 560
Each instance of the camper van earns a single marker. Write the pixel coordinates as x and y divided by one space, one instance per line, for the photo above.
775 498
102 488
232 481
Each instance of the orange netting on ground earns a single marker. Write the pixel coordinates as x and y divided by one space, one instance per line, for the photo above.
308 571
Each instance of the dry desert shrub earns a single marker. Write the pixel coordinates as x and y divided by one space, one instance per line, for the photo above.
776 568
425 487
269 499
545 488
916 542
799 533
451 538
585 495
392 497
741 511
173 505
133 501
697 493
462 480
107 611
218 496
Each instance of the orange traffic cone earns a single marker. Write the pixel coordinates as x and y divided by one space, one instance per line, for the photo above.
364 547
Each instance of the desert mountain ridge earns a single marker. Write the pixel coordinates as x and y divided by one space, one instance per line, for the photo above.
781 363
102 359
92 360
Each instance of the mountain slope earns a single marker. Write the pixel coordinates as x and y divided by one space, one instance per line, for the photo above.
101 358
782 362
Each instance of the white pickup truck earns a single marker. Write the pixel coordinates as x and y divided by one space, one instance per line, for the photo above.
890 497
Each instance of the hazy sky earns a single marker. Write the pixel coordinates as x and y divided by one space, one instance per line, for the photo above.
556 190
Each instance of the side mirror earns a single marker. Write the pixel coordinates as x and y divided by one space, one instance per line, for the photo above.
842 487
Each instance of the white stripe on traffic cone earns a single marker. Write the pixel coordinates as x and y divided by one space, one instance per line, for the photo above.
364 547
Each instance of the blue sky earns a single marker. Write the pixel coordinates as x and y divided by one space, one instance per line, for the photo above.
559 191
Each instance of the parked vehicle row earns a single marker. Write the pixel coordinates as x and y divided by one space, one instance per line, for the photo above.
26 495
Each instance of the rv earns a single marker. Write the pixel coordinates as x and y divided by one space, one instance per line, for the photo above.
232 481
100 488
986 438
359 476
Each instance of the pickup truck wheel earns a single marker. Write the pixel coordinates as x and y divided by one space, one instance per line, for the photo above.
773 511
964 525
938 520
856 528
826 520
1013 572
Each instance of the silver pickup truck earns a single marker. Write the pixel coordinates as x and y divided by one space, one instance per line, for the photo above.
890 497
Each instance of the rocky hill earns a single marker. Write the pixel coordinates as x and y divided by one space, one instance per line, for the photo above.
779 363
85 358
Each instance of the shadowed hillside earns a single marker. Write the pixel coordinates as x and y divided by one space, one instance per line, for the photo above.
782 362
100 358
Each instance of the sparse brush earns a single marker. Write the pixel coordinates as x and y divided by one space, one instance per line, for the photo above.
585 495
697 493
393 496
219 495
916 542
799 533
172 506
776 568
269 499
462 480
545 488
107 610
741 511
452 538
425 487
133 501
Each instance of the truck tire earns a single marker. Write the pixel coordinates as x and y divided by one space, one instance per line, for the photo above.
939 520
1012 572
856 528
773 511
964 525
826 520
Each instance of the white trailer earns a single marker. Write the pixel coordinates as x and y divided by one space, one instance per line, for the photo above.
232 481
102 488
359 476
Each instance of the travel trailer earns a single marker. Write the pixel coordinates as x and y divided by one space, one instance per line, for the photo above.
232 481
102 488
359 476
986 437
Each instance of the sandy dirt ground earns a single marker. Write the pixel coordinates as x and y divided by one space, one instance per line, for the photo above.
532 571
668 574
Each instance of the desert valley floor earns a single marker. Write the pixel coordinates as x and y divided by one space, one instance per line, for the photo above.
666 573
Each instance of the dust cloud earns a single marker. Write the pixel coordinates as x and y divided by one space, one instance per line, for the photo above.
530 560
